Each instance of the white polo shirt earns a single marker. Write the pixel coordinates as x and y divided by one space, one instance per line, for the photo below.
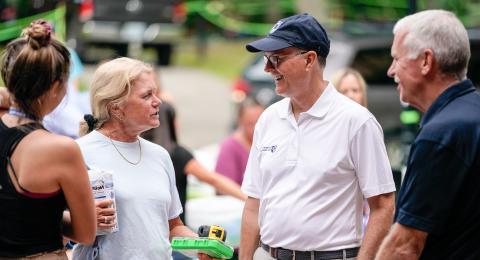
311 177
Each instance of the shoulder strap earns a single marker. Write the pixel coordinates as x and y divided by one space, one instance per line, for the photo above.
23 130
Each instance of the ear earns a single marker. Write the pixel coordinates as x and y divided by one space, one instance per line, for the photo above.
116 111
311 58
55 88
428 61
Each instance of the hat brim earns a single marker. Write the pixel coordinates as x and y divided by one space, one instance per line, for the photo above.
267 44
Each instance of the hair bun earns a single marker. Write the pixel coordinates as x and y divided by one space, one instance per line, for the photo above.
38 33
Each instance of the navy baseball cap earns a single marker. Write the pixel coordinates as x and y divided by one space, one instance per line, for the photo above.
302 31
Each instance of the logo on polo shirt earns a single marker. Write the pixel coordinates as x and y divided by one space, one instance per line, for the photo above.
271 149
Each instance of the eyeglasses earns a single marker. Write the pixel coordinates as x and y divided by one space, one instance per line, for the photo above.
274 60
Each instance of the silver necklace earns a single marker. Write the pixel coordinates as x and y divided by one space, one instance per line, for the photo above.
125 158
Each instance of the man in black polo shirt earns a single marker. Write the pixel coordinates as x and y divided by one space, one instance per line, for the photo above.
438 211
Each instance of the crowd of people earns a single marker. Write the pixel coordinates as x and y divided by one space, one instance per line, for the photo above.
312 168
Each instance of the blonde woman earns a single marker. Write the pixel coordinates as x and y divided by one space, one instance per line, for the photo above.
350 82
124 105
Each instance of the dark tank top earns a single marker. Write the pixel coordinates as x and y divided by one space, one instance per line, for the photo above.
30 223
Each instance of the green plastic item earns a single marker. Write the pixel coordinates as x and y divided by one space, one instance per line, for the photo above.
191 246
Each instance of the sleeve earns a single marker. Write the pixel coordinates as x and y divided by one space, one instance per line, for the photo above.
175 206
251 184
434 176
227 164
369 157
180 157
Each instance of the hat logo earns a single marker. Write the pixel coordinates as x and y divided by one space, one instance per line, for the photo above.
275 27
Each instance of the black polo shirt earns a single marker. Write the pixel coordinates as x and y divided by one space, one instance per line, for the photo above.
441 191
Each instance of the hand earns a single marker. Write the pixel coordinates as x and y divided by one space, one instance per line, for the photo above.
202 256
105 212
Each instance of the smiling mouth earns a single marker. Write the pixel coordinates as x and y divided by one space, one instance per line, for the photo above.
278 77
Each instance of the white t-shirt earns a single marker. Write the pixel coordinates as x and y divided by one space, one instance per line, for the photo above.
311 177
146 196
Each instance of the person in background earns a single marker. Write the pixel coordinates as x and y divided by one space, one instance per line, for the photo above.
41 173
233 155
124 105
65 118
351 83
183 160
438 203
315 156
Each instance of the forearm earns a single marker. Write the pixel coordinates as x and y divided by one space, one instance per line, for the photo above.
378 226
382 208
402 243
178 229
218 181
250 232
227 186
182 231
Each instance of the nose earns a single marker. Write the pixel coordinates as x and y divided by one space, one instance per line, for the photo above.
391 70
156 101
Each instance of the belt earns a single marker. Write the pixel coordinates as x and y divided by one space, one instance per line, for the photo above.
287 254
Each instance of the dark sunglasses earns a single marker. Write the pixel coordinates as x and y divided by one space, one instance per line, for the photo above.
274 60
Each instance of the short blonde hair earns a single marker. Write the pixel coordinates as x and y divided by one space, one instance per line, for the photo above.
340 74
111 84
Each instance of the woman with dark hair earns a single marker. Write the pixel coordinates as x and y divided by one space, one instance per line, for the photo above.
233 155
41 174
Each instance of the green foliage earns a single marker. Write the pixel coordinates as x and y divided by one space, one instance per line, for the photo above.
391 10
251 17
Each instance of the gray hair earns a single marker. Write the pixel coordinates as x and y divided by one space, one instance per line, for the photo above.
443 33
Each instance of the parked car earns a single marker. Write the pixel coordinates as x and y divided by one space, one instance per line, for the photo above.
123 25
370 55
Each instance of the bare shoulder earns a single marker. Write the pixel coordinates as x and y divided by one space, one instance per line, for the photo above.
51 146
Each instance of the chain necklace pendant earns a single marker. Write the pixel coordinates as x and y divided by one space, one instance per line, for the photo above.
125 158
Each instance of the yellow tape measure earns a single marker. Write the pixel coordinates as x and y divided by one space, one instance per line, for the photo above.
212 232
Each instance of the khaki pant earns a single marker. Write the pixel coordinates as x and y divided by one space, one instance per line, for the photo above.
55 255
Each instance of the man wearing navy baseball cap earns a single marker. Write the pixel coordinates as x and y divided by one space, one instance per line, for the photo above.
315 156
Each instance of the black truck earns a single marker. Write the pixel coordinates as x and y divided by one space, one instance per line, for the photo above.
102 29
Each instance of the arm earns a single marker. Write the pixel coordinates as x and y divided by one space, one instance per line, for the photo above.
380 220
402 243
250 232
220 182
178 229
80 221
